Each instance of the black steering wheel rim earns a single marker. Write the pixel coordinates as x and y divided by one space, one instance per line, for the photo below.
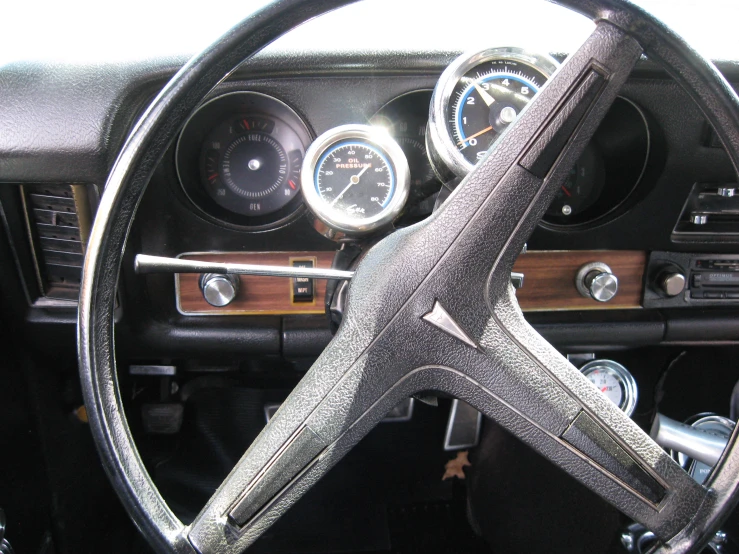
147 144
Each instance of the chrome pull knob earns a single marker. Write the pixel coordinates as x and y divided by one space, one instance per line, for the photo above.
671 283
218 289
596 281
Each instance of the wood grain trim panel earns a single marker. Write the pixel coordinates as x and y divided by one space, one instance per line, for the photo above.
257 295
549 283
549 279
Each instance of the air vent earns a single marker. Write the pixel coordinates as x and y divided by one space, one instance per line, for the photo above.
59 218
710 213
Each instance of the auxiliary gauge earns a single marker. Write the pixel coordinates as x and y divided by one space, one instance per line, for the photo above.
615 381
355 180
476 99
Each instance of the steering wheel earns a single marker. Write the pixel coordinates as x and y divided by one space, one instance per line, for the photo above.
429 309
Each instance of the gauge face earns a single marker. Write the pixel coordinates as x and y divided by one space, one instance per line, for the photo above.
356 179
476 99
239 158
251 165
582 187
608 384
614 381
608 171
487 99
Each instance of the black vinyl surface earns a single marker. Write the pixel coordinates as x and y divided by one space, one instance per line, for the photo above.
385 496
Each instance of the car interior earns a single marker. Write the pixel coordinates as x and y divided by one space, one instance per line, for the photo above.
328 276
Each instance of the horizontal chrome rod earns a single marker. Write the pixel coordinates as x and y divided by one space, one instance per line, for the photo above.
159 264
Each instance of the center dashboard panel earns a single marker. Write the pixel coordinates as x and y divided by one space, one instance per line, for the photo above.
550 283
236 182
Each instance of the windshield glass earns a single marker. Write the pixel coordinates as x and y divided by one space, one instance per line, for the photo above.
87 31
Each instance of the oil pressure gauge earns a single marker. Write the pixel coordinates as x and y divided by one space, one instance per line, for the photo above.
355 180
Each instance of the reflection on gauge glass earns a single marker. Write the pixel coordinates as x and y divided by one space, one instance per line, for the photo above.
609 170
239 158
477 98
356 179
614 381
406 119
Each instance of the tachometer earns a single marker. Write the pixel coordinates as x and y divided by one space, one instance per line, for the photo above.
356 179
476 99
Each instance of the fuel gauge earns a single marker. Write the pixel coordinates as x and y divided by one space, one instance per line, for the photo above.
581 190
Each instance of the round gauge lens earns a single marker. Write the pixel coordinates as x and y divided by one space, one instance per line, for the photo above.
614 381
356 178
251 165
477 98
406 119
712 423
487 99
418 161
608 384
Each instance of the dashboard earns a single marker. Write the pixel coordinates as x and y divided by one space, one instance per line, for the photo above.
625 205
305 156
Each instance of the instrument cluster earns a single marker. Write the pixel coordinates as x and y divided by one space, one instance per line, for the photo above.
248 160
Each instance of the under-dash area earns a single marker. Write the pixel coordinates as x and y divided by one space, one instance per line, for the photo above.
386 495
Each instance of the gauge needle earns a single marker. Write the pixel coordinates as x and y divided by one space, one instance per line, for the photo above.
567 192
475 135
483 93
352 181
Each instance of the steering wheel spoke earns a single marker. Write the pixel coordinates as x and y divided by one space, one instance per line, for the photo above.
535 393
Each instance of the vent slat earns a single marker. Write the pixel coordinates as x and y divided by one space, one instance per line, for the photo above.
58 232
54 203
63 258
50 190
61 245
51 217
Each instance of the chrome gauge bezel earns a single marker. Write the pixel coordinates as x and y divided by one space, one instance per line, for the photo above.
623 375
443 149
348 226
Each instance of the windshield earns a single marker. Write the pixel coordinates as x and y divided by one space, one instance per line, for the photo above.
87 31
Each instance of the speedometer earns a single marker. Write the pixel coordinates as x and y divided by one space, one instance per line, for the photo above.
476 99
